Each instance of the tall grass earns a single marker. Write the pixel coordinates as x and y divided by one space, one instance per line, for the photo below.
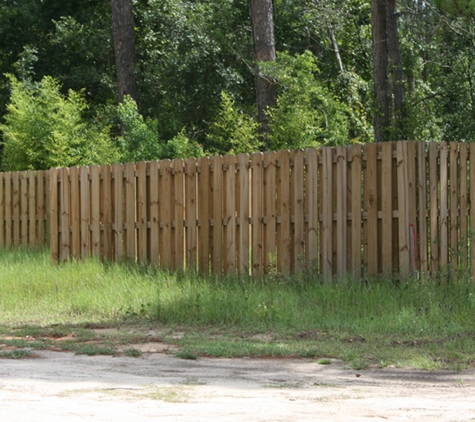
32 290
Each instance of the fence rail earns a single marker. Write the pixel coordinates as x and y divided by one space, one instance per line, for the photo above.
388 208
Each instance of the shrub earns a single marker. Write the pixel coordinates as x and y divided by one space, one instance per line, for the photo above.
44 128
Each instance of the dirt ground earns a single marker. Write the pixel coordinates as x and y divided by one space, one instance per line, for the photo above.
61 386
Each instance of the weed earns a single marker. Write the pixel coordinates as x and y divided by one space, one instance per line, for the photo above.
324 361
134 353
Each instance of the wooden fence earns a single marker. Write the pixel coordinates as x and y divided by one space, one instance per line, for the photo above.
24 199
388 208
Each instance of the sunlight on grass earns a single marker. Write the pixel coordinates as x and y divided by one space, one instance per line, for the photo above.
378 321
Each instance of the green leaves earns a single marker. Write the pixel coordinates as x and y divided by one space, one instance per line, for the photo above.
44 129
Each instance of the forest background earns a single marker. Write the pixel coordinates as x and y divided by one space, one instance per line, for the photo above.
92 82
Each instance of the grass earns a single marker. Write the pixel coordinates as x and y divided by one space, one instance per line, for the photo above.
422 324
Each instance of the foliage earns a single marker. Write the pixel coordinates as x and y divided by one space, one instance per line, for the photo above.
139 136
307 113
233 131
44 129
182 147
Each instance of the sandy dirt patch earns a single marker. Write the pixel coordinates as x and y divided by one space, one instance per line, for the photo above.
61 386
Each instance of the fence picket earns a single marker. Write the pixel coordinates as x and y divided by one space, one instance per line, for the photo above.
354 186
53 209
327 211
444 207
434 206
75 212
283 210
191 212
179 214
257 214
142 239
118 225
229 214
463 224
242 207
386 207
204 214
371 205
341 211
422 205
311 209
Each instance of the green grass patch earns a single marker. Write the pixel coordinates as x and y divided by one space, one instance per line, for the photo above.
95 307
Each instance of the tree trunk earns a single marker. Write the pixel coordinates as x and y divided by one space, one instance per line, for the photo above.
389 116
124 46
262 25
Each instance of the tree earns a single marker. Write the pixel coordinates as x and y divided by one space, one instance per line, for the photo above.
124 46
262 25
389 114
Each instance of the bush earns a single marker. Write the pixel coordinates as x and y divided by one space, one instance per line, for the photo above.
44 128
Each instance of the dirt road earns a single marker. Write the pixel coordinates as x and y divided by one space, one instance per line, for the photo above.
61 386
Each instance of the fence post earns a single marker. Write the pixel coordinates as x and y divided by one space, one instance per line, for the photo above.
53 210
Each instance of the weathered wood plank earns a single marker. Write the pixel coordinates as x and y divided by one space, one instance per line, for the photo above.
178 214
106 212
327 222
191 212
434 206
422 187
341 212
356 207
311 208
371 206
95 172
242 206
257 214
142 212
53 210
204 214
283 210
130 210
444 207
229 214
118 170
75 219
298 209
403 210
387 208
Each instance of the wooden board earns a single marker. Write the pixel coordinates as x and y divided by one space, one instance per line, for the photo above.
387 208
257 211
454 204
16 208
32 222
165 204
203 214
311 209
191 202
444 207
85 212
217 212
65 210
229 214
130 210
142 211
298 209
434 206
356 208
178 214
269 202
118 240
75 213
463 223
106 212
422 188
154 213
24 209
53 210
341 212
405 267
95 174
327 211
243 213
371 206
283 212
